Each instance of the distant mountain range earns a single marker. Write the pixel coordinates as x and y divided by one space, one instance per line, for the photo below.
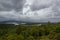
10 22
21 22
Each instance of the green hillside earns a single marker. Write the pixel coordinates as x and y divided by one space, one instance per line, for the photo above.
30 32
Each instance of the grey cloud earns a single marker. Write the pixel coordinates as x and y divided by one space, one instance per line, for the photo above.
11 9
6 5
47 10
41 4
56 8
40 10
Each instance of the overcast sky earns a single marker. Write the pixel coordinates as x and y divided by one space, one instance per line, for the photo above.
30 10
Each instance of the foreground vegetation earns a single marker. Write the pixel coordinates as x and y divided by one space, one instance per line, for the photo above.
30 32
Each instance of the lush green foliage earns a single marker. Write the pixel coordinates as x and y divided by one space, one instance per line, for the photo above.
30 32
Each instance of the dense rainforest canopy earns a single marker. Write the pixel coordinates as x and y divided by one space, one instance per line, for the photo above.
30 32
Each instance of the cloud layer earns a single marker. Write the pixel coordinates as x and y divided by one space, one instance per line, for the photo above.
30 10
43 10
